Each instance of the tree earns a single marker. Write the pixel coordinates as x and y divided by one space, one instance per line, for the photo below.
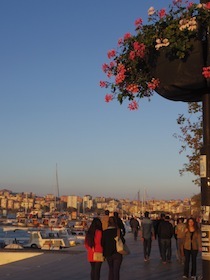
196 205
192 139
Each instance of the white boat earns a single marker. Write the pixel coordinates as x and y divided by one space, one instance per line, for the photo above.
80 235
16 236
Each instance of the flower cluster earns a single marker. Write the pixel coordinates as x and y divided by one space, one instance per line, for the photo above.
129 69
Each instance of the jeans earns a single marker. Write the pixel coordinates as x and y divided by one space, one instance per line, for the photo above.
114 263
135 233
165 247
180 249
147 247
159 246
193 255
95 270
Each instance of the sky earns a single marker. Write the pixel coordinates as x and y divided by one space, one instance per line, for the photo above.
52 109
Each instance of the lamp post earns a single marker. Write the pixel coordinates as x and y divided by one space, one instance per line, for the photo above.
205 181
205 187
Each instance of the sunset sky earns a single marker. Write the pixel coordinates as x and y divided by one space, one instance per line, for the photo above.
53 109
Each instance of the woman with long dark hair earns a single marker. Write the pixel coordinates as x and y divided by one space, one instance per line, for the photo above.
192 243
114 259
93 244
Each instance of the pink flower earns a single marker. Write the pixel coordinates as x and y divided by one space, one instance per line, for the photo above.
103 84
162 13
139 48
119 78
108 98
112 64
132 55
153 84
138 22
111 53
136 46
120 41
132 88
133 105
206 72
105 67
127 36
121 68
109 74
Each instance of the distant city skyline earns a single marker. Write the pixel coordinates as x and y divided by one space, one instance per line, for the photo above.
142 196
53 109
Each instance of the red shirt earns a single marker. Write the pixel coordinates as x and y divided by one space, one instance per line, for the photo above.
97 248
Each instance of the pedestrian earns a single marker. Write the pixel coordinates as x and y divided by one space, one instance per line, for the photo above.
105 219
165 233
120 225
192 244
114 259
147 234
161 218
180 229
93 243
134 223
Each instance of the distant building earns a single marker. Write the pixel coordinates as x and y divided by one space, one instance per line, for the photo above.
72 201
10 204
87 202
4 202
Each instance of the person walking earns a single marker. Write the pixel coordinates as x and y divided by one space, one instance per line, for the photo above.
192 244
147 234
114 259
157 223
93 243
105 219
165 233
180 229
120 225
134 223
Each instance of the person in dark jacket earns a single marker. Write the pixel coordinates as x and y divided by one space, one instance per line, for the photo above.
134 223
114 259
162 217
120 225
165 233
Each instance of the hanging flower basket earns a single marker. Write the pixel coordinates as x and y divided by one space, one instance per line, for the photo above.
181 79
168 56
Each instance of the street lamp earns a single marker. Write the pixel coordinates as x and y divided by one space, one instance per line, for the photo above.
205 180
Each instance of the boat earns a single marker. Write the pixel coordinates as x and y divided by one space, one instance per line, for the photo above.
80 226
14 236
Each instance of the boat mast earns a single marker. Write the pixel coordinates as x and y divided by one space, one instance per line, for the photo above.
57 185
57 181
139 211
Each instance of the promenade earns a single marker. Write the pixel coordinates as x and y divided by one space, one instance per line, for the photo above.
72 264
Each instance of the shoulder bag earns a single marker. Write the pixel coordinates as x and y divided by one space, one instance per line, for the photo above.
98 257
121 248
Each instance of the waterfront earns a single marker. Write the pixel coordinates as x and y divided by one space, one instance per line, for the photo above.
72 264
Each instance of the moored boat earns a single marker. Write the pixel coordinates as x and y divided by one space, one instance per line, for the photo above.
16 236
